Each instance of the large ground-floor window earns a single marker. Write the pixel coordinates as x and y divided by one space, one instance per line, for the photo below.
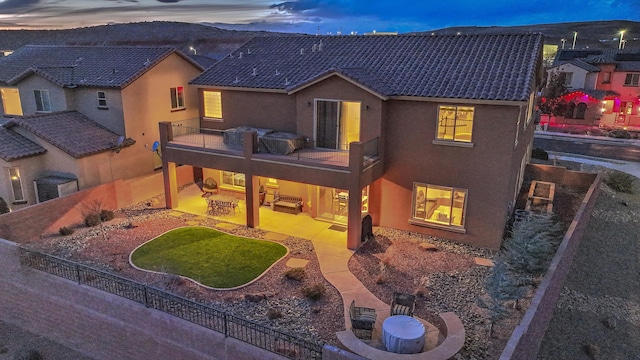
233 179
439 204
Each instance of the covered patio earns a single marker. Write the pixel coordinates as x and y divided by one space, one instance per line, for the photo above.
299 225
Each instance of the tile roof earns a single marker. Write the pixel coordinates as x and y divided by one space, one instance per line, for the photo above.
623 59
488 67
70 131
584 65
95 66
14 146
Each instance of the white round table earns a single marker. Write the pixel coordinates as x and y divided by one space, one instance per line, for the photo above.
402 334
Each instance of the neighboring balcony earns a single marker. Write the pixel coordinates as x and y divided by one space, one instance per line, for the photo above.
257 146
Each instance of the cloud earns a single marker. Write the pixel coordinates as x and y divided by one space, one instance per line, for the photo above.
168 1
296 6
17 5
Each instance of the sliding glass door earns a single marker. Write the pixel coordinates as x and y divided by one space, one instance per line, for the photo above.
337 124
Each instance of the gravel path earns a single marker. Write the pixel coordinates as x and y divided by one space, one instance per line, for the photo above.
598 314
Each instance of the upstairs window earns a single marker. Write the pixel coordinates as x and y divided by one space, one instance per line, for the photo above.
455 123
11 101
631 80
177 98
102 100
606 78
568 78
43 103
212 101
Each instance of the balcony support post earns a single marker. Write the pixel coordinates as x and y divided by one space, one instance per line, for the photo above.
354 219
169 168
252 183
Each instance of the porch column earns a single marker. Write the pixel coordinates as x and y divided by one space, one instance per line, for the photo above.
354 219
168 168
251 183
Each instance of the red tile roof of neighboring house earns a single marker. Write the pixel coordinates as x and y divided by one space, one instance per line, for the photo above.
93 66
14 146
483 67
70 131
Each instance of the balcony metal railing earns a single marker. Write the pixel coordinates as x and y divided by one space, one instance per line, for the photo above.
298 149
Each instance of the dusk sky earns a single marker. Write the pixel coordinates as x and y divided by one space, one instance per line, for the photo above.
313 16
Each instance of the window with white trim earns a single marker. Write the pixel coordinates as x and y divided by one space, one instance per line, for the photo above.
212 101
177 98
233 179
16 184
102 100
455 123
43 103
631 80
439 205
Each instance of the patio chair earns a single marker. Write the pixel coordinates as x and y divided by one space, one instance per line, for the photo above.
403 304
363 320
209 187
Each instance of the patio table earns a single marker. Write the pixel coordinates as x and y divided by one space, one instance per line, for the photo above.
402 334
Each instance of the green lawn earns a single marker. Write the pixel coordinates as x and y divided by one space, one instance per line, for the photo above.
207 256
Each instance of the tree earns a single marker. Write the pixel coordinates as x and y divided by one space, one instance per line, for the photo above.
4 208
552 102
501 286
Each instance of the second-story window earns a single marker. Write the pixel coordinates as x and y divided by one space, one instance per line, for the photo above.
631 80
43 103
568 78
102 100
455 123
212 101
177 98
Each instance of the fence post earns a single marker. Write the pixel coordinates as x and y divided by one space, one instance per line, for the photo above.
224 323
146 297
78 274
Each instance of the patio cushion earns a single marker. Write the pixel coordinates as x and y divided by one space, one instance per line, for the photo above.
401 310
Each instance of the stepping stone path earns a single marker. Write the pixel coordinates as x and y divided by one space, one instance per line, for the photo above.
296 263
275 236
177 214
428 246
226 226
483 262
193 223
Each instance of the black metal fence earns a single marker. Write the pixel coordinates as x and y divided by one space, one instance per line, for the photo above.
281 343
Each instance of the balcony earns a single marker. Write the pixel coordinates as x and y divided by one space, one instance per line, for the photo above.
293 149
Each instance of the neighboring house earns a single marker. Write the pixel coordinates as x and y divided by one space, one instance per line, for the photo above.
602 87
125 90
422 133
65 150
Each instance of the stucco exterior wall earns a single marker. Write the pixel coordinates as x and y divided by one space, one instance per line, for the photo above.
578 81
29 170
86 102
147 101
57 95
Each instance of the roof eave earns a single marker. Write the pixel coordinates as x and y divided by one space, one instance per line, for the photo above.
313 81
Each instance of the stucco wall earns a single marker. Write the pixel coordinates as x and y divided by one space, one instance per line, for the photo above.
86 102
57 95
29 170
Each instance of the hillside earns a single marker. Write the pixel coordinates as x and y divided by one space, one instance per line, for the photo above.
215 42
593 34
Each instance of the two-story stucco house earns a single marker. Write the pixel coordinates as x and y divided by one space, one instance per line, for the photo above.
603 87
422 133
114 94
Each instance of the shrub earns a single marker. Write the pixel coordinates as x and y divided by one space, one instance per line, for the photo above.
106 215
620 182
296 274
4 208
64 231
313 292
273 314
539 154
92 219
620 134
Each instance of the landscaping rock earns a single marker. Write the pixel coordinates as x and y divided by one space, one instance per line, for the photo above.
254 297
428 246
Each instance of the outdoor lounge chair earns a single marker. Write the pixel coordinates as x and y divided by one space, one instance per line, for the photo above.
403 304
363 320
209 187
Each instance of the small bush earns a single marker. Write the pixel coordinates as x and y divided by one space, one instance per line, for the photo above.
539 154
273 314
620 134
313 292
106 215
64 231
92 219
380 279
296 274
620 182
4 208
